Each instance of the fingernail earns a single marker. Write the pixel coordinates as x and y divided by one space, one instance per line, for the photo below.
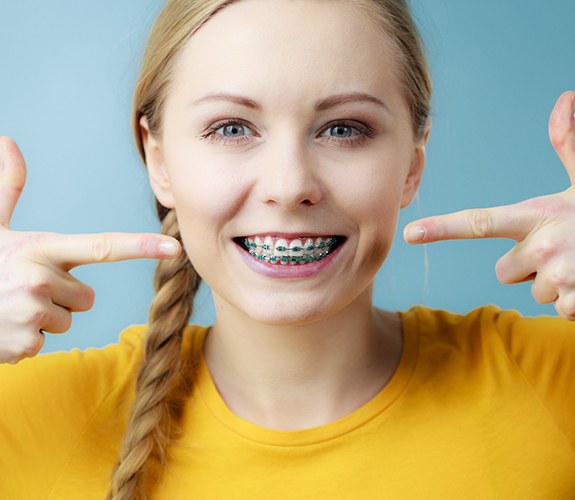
169 248
415 234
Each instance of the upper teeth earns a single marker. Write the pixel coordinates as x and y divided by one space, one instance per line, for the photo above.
283 251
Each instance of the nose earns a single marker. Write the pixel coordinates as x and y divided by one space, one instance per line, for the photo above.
289 176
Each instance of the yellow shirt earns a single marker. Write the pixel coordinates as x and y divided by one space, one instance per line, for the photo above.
482 406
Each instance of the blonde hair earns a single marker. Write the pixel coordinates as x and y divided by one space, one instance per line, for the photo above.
162 384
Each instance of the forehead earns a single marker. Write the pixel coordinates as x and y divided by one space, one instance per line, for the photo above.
292 48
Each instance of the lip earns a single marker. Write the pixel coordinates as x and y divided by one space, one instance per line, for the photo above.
288 272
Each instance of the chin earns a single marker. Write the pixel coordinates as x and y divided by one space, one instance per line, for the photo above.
285 310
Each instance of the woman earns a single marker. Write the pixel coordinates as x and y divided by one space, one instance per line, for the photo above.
281 164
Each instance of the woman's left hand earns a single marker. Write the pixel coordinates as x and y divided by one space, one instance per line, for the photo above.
544 227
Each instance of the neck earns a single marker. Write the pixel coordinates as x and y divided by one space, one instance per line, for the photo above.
305 375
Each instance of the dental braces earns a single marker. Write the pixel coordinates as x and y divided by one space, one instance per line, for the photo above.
309 248
287 259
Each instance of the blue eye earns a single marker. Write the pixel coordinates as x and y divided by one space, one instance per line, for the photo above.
233 130
346 133
342 131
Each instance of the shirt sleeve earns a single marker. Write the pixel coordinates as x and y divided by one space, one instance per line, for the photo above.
47 401
543 348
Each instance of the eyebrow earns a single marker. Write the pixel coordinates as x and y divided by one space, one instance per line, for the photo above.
223 96
337 100
322 105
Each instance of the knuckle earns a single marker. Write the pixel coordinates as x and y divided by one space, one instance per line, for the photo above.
35 316
101 248
28 345
37 285
481 222
552 207
544 250
28 245
557 280
561 275
10 354
34 346
565 306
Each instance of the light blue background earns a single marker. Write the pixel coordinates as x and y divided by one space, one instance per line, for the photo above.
67 69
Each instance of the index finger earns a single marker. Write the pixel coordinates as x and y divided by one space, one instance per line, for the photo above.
69 251
509 221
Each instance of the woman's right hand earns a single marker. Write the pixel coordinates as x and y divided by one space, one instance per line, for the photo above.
37 292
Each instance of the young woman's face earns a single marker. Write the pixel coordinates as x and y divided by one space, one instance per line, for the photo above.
287 150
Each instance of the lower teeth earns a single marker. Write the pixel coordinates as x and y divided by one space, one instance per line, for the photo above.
305 259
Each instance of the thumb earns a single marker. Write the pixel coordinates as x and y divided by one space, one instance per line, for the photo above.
12 178
562 131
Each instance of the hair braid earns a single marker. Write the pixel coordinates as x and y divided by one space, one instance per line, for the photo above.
162 384
158 403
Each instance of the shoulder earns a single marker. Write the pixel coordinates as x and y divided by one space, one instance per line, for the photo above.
519 334
56 405
541 348
491 319
70 379
89 374
49 401
538 353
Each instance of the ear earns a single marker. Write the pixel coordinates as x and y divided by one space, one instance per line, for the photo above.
157 174
416 169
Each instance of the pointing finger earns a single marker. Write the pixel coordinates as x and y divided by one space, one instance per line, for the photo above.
510 221
69 251
12 178
562 131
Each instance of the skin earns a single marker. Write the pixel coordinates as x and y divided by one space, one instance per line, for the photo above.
542 227
287 174
287 177
38 293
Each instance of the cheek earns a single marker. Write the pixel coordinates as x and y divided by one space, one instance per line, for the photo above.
205 192
373 200
207 197
202 211
372 191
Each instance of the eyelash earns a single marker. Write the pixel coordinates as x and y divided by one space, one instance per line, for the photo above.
212 134
363 132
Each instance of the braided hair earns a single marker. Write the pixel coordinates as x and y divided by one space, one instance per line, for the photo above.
163 383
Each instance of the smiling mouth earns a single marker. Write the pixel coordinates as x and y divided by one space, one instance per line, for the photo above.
298 251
